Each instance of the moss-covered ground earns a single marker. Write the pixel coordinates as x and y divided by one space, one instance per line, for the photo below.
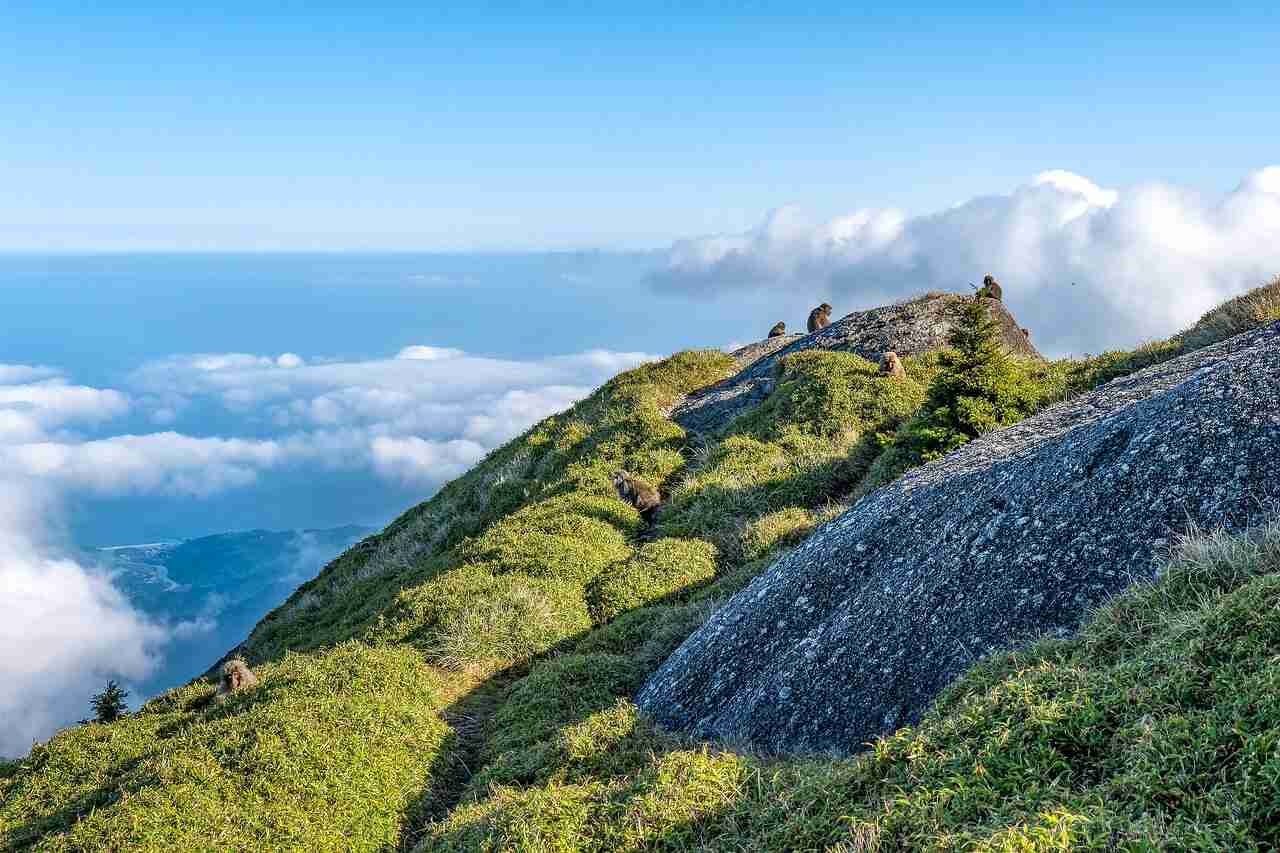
461 681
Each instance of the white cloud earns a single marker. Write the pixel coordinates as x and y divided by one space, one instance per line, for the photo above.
52 401
424 353
437 394
63 628
412 459
11 373
418 419
1083 266
165 462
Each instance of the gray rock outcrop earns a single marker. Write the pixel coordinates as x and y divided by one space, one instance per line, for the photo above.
910 328
1015 535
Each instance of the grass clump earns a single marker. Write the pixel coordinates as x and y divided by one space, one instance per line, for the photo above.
1247 311
571 537
326 753
809 443
660 570
469 616
1157 727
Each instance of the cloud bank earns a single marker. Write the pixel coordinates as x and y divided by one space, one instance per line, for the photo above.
418 418
1087 268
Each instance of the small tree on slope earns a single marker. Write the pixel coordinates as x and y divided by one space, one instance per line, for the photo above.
980 388
110 705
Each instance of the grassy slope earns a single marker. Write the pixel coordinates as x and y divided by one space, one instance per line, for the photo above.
462 678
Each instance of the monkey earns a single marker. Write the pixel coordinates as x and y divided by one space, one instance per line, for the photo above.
1026 333
779 330
236 675
991 289
820 317
891 365
638 493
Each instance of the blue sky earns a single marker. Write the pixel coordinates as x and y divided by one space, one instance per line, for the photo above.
434 126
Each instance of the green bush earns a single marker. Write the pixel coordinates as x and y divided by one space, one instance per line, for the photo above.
571 537
979 388
561 691
660 570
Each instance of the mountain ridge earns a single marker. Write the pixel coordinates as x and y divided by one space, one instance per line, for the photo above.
463 680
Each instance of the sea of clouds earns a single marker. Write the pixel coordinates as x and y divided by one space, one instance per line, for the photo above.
422 416
1085 267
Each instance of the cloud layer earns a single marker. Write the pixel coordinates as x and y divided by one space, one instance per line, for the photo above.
219 421
1087 268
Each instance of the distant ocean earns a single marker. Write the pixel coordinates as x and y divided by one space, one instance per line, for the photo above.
97 315
211 591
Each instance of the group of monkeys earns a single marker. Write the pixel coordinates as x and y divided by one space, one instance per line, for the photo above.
819 318
890 364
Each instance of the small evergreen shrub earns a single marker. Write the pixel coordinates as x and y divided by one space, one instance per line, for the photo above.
979 388
110 705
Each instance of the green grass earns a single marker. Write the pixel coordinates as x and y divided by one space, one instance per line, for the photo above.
462 679
660 570
1158 727
807 446
328 753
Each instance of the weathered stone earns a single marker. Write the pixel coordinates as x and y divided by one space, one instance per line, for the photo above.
910 328
1015 535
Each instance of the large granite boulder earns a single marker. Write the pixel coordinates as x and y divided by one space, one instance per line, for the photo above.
1015 535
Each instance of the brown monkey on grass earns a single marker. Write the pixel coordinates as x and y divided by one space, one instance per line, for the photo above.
779 330
637 492
820 317
236 675
891 365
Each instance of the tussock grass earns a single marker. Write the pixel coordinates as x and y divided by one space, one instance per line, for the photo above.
660 570
1247 311
1158 727
325 754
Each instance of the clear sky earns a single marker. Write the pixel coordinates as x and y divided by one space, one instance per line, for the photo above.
478 125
